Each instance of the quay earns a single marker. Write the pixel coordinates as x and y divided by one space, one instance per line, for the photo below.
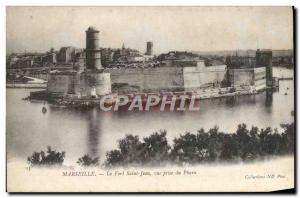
26 85
72 101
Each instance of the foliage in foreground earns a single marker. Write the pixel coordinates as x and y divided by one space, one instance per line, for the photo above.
48 158
86 161
208 146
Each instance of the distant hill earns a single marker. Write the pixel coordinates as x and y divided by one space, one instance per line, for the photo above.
251 53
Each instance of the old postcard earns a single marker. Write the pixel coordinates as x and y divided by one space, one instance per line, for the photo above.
150 99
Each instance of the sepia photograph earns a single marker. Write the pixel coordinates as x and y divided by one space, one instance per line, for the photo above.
150 99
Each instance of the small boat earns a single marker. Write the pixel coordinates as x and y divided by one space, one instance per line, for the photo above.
44 110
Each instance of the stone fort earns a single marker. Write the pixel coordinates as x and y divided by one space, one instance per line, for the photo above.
91 79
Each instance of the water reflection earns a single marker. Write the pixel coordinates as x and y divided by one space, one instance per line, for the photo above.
94 124
269 97
232 101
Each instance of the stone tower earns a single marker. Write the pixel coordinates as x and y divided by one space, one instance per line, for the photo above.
149 48
93 54
264 59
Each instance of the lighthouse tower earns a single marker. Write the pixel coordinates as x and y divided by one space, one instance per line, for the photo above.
93 82
93 54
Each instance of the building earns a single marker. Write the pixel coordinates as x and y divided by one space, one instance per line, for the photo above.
107 56
238 62
127 55
28 60
12 60
149 48
66 55
264 59
136 58
49 58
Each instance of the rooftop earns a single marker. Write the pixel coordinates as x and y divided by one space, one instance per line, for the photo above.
92 29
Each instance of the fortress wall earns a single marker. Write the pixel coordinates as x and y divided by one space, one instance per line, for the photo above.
40 76
152 79
100 81
260 78
249 76
195 77
149 79
240 77
59 83
79 83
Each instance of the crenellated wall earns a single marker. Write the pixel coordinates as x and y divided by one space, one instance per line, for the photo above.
60 82
195 77
79 83
100 81
241 77
248 77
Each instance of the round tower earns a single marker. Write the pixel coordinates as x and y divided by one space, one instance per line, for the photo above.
149 49
93 54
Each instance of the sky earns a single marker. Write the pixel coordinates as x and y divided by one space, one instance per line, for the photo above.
37 29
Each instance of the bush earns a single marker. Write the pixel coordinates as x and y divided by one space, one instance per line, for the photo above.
50 158
185 149
153 149
86 161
